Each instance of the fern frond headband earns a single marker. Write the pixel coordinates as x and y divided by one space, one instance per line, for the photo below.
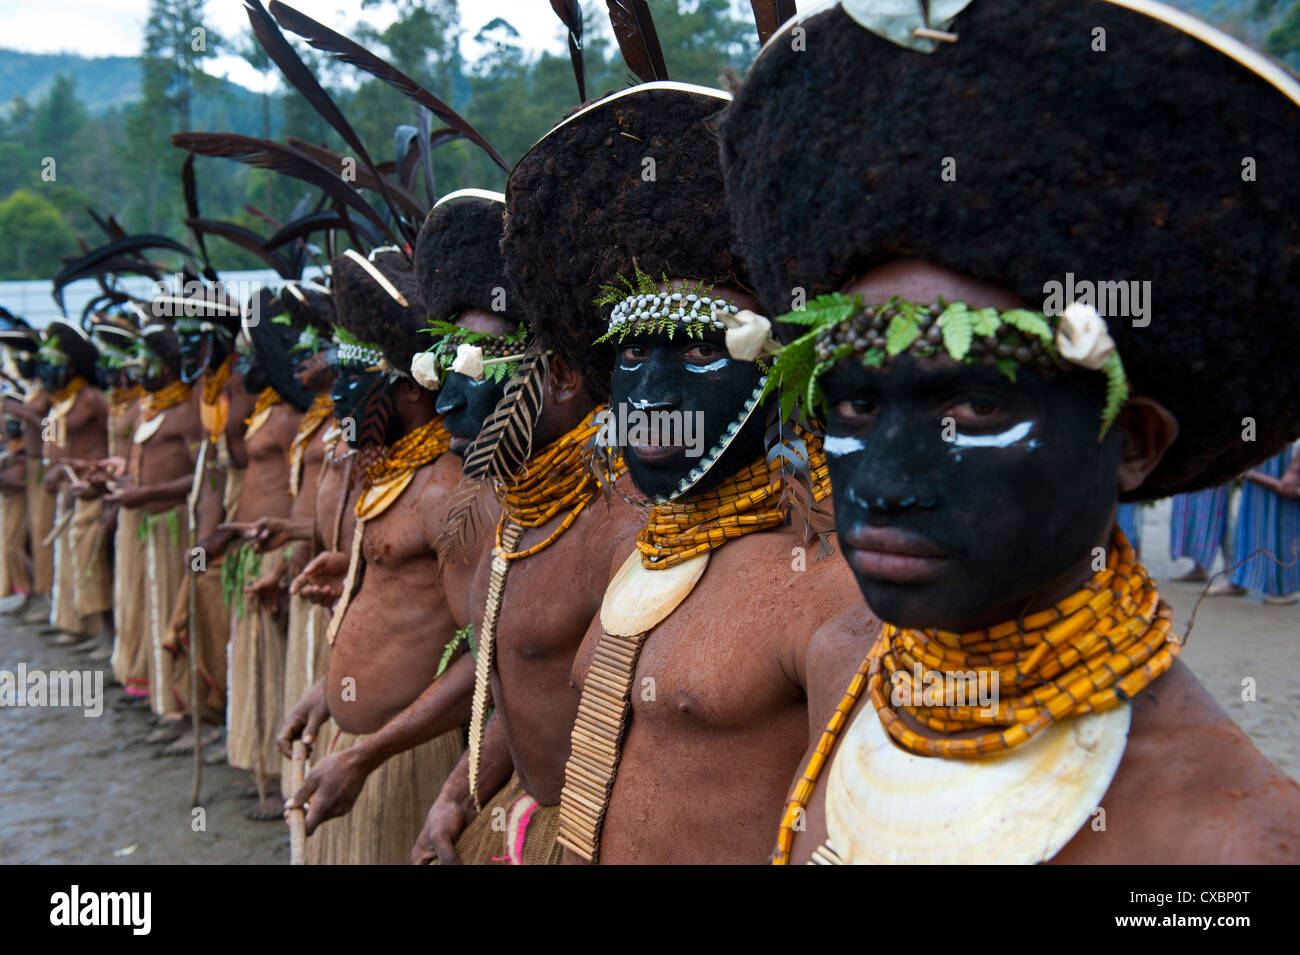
840 326
640 307
463 351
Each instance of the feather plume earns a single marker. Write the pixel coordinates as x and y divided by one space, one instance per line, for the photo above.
501 449
304 226
326 40
372 429
124 255
570 14
301 78
635 31
364 179
266 154
769 15
110 227
191 190
245 239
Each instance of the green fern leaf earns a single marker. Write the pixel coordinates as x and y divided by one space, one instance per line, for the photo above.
957 325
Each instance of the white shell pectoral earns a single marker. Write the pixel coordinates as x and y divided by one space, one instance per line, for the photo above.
147 429
637 599
887 806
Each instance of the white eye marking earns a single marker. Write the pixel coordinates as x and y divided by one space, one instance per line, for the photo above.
1006 439
837 447
711 366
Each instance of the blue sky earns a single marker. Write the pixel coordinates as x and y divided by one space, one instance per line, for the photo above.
116 27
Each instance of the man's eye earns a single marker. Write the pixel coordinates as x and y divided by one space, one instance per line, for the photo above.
976 406
703 353
855 409
635 352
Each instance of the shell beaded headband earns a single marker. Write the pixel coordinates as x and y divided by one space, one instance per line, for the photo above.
477 355
191 326
367 354
840 326
641 308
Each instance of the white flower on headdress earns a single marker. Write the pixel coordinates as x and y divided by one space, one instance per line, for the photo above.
747 333
1082 338
424 369
469 361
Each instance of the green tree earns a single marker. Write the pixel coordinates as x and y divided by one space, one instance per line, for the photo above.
1283 38
35 236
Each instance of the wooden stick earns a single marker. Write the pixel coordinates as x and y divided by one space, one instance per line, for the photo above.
259 687
297 817
196 701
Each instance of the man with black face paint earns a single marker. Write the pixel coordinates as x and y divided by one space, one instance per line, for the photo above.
534 593
690 714
457 264
288 543
20 341
15 564
83 592
387 631
118 341
257 635
981 426
32 410
206 326
152 487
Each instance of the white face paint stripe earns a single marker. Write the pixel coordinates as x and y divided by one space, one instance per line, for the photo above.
1003 440
837 447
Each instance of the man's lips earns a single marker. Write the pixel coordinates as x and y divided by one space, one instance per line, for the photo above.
886 553
655 453
458 443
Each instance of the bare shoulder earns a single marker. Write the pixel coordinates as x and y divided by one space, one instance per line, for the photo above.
1192 788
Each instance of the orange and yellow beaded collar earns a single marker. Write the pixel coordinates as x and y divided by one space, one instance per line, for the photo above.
214 406
316 415
267 399
1089 653
386 478
155 403
555 479
749 501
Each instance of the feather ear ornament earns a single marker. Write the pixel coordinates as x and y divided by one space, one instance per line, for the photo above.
503 446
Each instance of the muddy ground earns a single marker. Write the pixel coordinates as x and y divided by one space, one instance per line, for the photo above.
83 790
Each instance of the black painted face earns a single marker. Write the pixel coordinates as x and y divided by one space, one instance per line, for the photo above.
13 427
53 377
961 497
465 404
199 352
26 365
653 374
360 395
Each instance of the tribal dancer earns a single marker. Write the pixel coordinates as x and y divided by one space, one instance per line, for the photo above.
459 275
982 425
692 714
83 587
389 615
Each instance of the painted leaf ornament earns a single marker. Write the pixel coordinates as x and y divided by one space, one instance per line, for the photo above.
1082 338
469 361
424 369
747 333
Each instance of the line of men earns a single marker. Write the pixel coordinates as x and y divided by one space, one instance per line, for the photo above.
510 637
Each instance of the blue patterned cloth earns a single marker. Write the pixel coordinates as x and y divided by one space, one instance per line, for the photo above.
1197 525
1271 522
1129 519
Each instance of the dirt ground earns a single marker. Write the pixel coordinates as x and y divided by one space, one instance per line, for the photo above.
91 791
74 789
